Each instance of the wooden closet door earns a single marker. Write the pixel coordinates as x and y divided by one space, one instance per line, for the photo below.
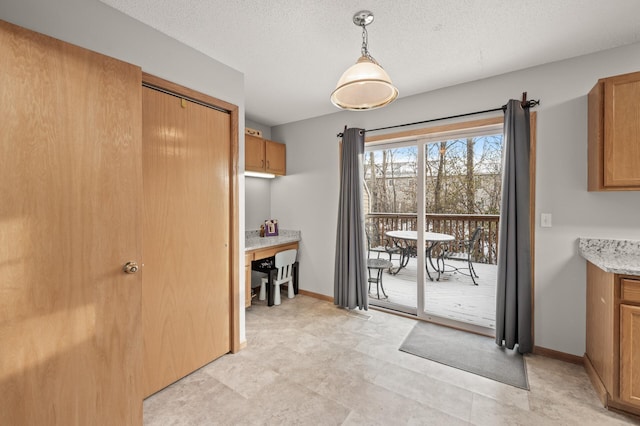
186 286
70 217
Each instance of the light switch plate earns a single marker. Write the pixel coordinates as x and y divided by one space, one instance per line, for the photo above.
545 220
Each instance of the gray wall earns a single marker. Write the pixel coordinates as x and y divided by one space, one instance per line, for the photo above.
306 198
257 191
95 26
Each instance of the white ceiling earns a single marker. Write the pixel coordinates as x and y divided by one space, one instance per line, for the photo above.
292 52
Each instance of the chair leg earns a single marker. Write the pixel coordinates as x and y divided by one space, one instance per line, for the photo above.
290 293
276 296
263 290
472 272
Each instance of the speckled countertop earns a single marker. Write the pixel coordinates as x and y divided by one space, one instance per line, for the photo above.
617 256
254 241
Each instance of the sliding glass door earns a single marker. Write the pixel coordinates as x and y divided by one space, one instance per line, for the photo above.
432 208
462 189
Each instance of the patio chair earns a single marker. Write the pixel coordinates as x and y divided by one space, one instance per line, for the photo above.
383 245
463 250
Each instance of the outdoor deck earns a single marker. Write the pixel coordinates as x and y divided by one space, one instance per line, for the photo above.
453 297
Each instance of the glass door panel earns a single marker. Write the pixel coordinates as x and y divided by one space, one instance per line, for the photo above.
462 189
390 203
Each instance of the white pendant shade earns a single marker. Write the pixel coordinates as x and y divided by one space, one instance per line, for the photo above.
363 86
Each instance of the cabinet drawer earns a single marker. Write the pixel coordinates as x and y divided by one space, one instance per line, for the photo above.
630 291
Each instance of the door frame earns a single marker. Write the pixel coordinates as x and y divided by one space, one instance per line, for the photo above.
158 83
425 132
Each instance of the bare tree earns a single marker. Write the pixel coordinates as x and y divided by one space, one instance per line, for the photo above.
470 181
437 207
461 176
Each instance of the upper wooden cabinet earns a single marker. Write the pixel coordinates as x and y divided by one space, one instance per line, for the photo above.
265 156
614 134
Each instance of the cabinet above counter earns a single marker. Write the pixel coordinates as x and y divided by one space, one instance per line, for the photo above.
615 256
264 156
614 134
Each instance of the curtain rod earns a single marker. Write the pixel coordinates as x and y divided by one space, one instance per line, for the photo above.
524 103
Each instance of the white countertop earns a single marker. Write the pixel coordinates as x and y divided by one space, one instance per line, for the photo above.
616 256
253 240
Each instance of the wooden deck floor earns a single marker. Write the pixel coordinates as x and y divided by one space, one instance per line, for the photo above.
453 297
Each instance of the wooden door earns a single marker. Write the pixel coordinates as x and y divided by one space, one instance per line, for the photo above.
276 156
186 286
254 153
70 206
630 354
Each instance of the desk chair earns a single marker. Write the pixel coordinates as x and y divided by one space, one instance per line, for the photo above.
284 261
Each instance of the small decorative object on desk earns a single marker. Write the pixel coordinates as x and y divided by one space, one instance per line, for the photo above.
262 230
271 228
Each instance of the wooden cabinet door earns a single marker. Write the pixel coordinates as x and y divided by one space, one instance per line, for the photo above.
70 218
622 131
276 157
254 153
187 278
600 339
630 354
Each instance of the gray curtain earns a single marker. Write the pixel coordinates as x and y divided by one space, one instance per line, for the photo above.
350 280
513 296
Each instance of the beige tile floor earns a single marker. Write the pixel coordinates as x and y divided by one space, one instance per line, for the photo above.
310 363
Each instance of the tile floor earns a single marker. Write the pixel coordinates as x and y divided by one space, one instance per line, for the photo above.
310 363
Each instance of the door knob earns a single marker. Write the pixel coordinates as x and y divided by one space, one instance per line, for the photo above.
130 268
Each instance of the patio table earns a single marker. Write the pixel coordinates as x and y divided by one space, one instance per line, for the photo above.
406 240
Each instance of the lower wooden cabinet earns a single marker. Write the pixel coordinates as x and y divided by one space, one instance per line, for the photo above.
612 359
258 254
630 354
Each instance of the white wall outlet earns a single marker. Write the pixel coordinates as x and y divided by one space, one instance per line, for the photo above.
545 220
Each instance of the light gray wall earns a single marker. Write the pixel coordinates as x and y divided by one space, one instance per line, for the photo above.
95 26
257 193
306 198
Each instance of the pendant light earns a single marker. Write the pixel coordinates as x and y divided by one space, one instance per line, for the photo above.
364 85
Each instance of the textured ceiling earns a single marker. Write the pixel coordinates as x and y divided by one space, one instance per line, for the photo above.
292 52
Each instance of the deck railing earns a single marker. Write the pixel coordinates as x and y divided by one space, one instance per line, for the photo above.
461 226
